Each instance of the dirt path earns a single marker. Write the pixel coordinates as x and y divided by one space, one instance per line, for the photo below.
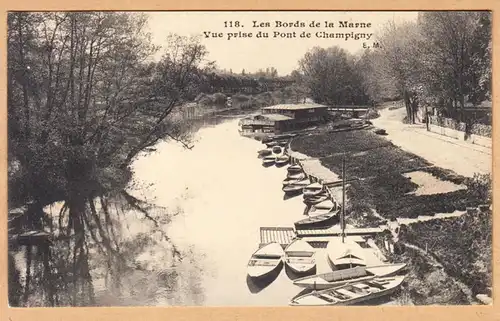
463 158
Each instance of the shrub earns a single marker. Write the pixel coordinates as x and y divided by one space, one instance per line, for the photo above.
479 187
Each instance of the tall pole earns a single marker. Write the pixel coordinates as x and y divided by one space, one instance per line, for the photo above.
342 221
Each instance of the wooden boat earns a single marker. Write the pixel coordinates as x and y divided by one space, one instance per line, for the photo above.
277 150
294 169
313 189
285 136
345 254
318 221
297 175
269 160
266 140
265 260
324 207
271 144
282 160
283 143
319 198
291 181
341 277
296 187
265 152
351 293
299 256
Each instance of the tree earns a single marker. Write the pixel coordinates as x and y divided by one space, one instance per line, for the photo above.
397 63
332 77
457 63
84 98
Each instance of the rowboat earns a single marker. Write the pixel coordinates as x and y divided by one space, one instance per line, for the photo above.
269 160
283 143
264 152
313 189
294 169
291 181
313 200
265 260
297 175
277 150
296 187
271 144
341 277
351 293
282 160
324 207
345 254
318 221
299 256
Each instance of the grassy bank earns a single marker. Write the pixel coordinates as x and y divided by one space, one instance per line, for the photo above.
379 166
462 245
426 283
459 249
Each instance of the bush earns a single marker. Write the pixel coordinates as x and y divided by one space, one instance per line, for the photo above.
479 187
372 114
463 254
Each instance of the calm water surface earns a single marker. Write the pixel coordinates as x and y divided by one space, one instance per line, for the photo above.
223 196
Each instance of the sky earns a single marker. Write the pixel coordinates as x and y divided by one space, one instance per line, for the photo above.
282 50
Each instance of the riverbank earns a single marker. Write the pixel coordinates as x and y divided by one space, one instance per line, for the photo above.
382 190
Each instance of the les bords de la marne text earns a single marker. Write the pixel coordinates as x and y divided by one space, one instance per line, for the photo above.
285 29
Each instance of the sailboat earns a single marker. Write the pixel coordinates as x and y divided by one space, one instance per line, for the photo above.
344 253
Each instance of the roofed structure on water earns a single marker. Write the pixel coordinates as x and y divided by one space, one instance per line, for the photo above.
281 118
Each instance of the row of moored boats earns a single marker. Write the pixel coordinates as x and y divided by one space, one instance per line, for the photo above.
351 280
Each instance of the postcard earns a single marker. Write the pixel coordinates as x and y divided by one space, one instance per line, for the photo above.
249 158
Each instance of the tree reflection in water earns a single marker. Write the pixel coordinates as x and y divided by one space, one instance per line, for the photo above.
115 253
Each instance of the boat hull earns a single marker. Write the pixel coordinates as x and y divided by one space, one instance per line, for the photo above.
256 273
319 282
323 286
308 223
301 268
355 298
315 200
265 260
353 301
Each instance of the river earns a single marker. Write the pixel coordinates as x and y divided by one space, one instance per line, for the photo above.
224 195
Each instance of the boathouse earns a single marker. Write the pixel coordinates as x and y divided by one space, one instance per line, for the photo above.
282 118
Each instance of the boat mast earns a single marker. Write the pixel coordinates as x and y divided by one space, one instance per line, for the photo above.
342 220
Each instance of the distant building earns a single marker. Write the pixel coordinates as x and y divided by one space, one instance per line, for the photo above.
282 118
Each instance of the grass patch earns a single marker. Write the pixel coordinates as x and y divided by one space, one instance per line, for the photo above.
373 161
445 174
462 245
387 194
326 144
426 284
